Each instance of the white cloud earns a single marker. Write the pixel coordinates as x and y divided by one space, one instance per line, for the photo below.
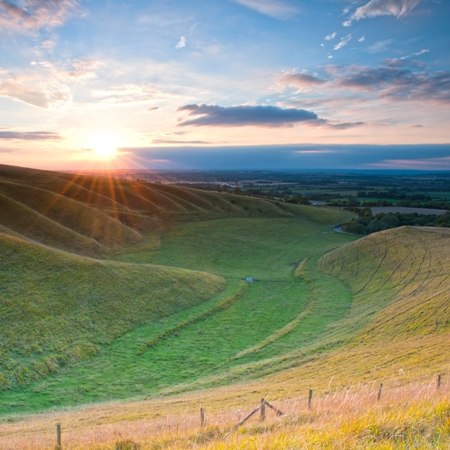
46 84
331 36
362 39
127 93
277 9
46 95
343 42
181 43
377 8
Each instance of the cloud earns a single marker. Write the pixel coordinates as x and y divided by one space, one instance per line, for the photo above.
297 157
345 125
179 142
331 36
82 69
399 83
277 9
46 95
343 42
380 46
181 43
300 80
33 15
377 8
362 39
29 135
46 84
127 93
272 116
405 60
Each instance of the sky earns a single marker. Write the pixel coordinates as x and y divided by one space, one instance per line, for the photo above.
225 84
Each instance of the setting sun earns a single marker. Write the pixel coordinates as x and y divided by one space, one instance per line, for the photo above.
104 145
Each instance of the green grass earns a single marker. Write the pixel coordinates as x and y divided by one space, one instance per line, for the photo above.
58 308
268 249
150 320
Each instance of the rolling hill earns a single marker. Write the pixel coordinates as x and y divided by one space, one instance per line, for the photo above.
124 290
58 307
99 214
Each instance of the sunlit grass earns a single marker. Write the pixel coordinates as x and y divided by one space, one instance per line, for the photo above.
410 416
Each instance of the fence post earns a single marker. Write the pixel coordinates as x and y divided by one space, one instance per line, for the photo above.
262 410
379 391
438 381
58 437
310 394
202 417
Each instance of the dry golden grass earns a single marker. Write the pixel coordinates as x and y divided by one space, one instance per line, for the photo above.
415 415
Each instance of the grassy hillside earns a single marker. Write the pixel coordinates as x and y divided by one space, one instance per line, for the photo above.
325 310
210 338
400 280
57 308
96 215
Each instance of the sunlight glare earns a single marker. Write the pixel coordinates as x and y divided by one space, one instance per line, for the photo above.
104 145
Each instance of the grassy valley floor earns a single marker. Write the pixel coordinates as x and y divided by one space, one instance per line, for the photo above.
246 323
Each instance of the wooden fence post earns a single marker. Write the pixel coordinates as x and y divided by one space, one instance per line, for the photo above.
438 381
58 437
310 394
379 391
278 412
262 410
248 417
202 417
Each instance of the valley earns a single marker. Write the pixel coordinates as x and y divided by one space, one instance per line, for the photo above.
170 294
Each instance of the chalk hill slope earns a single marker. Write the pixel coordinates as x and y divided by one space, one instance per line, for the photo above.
57 308
324 305
399 322
94 215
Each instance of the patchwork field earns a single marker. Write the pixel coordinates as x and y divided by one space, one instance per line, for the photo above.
115 290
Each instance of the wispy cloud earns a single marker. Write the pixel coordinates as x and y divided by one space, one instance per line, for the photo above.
377 8
43 94
403 59
277 9
181 43
32 15
29 135
345 125
300 80
272 116
179 142
343 42
127 93
400 83
331 36
380 46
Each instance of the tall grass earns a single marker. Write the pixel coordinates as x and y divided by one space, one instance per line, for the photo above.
408 416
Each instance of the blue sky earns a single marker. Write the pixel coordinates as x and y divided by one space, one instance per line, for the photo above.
225 83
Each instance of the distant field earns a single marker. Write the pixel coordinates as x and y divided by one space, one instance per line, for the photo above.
407 210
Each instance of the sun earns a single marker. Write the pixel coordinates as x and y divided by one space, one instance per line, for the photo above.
105 145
